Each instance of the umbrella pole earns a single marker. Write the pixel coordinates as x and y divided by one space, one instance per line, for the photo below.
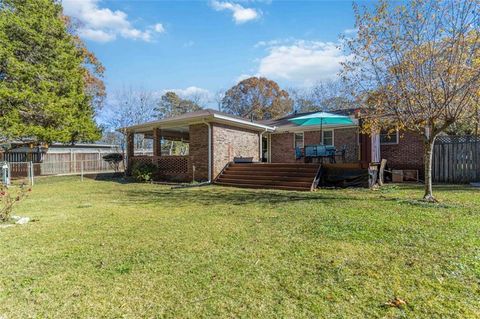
321 131
321 140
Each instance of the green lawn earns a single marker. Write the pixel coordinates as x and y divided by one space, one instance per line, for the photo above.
106 249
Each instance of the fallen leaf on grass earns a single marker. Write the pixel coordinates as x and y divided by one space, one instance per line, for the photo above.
396 302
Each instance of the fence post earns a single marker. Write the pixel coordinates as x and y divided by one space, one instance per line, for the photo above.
30 173
81 170
6 174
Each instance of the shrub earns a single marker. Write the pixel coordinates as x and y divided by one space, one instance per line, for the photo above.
143 171
8 199
114 159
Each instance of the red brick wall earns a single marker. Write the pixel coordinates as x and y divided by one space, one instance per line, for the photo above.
282 150
312 137
198 151
348 137
230 142
407 154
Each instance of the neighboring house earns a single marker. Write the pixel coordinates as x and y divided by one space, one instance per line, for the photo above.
19 151
216 138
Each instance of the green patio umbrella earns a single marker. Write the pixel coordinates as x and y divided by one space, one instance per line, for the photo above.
321 118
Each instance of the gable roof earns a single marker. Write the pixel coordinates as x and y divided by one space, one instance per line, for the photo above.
205 115
210 115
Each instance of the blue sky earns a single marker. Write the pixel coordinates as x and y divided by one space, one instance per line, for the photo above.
205 46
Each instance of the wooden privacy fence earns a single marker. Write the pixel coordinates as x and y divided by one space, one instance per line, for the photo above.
456 159
56 163
18 157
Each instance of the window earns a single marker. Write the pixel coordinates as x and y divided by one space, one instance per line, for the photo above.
298 140
388 136
327 137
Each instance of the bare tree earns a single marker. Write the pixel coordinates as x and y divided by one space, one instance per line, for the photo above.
303 100
198 98
416 67
332 95
218 98
323 96
128 107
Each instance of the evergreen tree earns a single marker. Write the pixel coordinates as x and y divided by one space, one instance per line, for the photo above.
48 79
171 104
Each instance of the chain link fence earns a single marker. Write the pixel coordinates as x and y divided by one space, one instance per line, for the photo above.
25 172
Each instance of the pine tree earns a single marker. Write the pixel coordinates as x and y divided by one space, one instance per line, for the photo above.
45 84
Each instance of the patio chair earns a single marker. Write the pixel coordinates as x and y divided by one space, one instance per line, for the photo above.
342 152
298 153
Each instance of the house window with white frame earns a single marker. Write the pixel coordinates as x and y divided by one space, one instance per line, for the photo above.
327 137
388 136
298 140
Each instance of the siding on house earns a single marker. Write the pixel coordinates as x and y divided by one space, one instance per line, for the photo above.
283 151
229 142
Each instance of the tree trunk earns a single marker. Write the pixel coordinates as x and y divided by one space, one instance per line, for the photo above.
428 158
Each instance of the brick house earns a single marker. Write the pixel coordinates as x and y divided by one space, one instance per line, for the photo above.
216 138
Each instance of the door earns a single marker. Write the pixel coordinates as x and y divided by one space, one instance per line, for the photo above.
376 148
265 148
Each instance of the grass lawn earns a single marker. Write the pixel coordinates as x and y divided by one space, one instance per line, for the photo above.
104 249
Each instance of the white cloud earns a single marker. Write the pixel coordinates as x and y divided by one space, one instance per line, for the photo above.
273 43
240 13
103 25
159 28
242 77
96 35
350 31
192 92
302 62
